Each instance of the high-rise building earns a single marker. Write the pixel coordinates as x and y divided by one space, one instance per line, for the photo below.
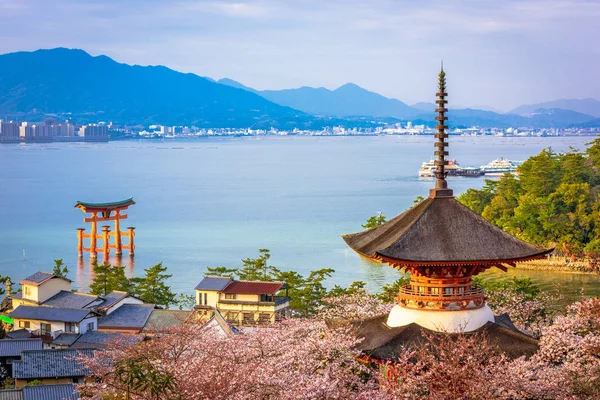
94 133
9 132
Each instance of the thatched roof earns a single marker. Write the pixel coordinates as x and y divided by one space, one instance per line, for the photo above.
385 343
441 230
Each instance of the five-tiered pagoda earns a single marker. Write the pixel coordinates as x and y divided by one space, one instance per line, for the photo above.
442 244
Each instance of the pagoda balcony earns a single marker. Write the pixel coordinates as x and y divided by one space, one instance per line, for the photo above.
445 297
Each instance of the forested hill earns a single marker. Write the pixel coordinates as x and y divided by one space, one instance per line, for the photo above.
71 83
553 201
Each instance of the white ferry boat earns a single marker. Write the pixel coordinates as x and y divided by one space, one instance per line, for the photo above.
428 168
501 166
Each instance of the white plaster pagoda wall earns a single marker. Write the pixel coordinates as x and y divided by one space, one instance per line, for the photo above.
442 321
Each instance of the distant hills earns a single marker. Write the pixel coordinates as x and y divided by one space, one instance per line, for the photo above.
65 83
352 100
584 106
71 83
347 100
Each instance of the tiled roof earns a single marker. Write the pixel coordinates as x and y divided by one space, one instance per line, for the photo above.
13 347
19 334
253 287
128 316
165 319
49 313
40 277
112 298
66 339
213 283
65 391
55 363
17 295
65 299
101 339
12 394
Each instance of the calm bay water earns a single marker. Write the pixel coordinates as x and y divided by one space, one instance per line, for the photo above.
214 201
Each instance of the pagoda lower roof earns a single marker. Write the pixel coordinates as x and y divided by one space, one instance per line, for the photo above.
382 342
98 207
441 231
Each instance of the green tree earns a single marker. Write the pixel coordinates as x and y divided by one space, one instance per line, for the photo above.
477 200
258 269
389 291
221 271
186 301
309 292
356 287
108 278
374 221
60 269
152 287
541 174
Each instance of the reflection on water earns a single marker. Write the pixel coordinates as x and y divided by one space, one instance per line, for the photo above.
85 271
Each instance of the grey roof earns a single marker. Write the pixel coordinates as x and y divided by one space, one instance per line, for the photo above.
128 316
17 295
165 319
65 391
112 298
19 334
12 394
213 283
101 339
66 339
441 230
54 363
49 313
38 277
382 342
13 347
65 299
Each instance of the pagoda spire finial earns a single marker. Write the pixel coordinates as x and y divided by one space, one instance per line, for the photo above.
441 186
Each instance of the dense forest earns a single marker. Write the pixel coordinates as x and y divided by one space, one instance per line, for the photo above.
552 202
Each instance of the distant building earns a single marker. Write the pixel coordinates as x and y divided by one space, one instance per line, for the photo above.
9 132
94 133
243 302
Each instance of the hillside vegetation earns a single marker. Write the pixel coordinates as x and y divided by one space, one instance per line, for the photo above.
553 202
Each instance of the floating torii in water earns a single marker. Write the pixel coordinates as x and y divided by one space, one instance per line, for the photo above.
101 212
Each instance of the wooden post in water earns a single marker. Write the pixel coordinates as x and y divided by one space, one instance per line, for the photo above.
105 237
93 236
131 230
80 241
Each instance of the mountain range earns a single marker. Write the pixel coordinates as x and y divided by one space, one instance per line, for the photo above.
70 83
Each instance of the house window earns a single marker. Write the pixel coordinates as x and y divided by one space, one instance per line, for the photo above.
70 327
77 380
266 297
248 318
90 326
230 296
27 291
45 329
205 299
24 324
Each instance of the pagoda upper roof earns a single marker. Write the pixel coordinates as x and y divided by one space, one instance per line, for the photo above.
441 231
89 207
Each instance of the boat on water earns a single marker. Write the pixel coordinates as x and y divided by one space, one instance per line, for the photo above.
428 169
501 166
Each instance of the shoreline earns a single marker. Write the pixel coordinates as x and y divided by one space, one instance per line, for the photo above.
563 265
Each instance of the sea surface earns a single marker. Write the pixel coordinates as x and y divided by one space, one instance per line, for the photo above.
213 201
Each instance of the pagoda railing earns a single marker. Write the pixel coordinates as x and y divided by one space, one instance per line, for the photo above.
441 297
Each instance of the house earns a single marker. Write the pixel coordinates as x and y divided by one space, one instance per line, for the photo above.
66 391
128 318
10 351
49 322
49 366
47 308
99 340
39 287
243 302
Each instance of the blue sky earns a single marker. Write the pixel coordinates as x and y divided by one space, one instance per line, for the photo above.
497 53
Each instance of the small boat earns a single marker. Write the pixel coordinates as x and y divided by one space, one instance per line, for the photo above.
470 172
501 166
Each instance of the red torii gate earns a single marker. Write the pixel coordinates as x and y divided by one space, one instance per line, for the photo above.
101 212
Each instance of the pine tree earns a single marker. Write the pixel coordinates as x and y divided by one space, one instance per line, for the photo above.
152 288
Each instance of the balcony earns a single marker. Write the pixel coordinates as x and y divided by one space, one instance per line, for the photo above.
441 297
278 300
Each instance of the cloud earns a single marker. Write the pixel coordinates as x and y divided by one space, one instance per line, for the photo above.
501 53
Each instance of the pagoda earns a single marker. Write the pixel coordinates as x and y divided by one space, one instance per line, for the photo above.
442 244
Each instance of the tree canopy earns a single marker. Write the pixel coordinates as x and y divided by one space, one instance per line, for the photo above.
553 201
